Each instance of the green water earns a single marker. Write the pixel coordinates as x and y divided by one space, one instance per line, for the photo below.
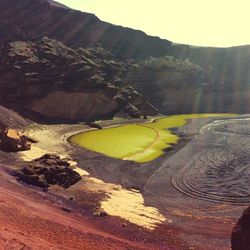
137 142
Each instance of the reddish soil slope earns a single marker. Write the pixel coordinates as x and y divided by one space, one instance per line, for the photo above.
28 222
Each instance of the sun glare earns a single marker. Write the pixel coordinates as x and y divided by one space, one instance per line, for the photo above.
206 23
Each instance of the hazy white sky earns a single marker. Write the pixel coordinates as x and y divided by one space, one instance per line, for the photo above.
219 23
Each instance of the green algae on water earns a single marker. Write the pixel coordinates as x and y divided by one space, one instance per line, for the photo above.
137 142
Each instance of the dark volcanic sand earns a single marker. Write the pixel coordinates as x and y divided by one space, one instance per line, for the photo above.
202 187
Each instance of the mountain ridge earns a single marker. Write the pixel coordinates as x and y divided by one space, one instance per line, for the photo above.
222 85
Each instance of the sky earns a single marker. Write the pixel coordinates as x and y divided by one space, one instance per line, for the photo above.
216 23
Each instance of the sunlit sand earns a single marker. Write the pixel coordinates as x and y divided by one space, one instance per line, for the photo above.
126 204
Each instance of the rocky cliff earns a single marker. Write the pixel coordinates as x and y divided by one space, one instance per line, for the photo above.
173 85
174 78
46 77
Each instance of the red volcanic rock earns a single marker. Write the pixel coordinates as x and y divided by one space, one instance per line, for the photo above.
12 140
240 238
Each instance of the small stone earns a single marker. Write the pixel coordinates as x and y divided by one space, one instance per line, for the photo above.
71 198
68 210
100 213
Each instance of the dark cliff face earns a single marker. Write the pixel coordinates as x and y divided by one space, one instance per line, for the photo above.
50 79
172 84
196 80
226 83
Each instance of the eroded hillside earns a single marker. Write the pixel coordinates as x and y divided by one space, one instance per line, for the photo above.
194 79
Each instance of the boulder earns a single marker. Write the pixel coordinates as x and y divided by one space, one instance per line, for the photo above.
12 140
46 171
240 238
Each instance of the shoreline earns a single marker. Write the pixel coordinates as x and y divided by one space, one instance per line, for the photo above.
107 181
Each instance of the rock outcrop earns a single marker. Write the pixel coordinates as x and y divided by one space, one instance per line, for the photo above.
169 83
12 140
50 79
46 171
240 238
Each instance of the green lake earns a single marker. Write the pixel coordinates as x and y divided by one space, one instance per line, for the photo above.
140 142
